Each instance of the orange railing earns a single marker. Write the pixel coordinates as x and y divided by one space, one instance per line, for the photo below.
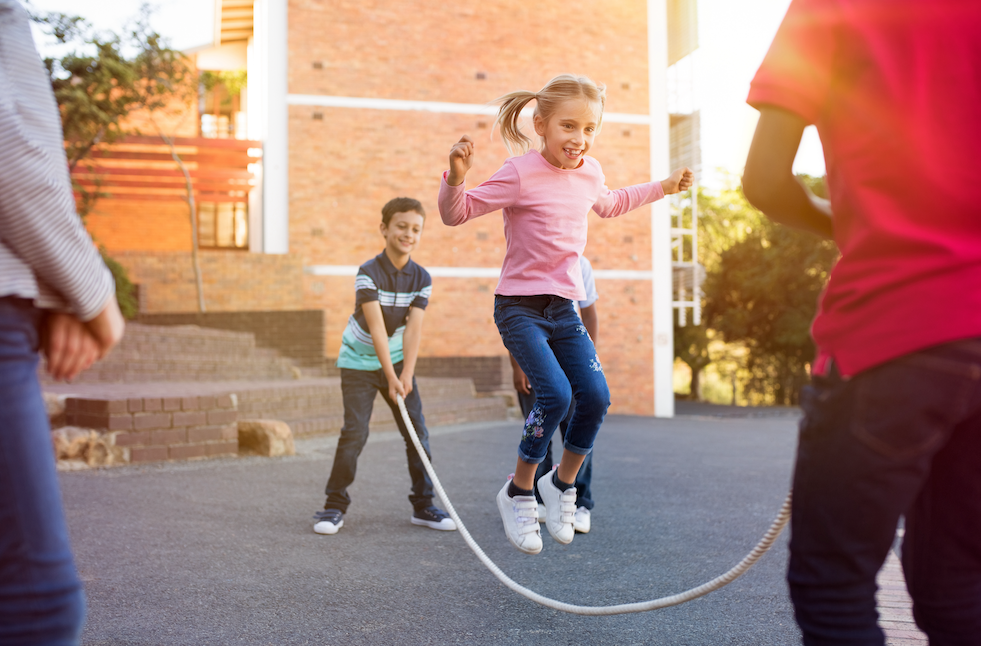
142 168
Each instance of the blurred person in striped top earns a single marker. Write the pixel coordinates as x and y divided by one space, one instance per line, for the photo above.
57 298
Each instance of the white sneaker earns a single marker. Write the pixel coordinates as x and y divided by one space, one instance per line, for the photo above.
560 509
541 513
328 521
581 520
520 516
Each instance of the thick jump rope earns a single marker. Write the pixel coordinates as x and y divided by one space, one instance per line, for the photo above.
640 606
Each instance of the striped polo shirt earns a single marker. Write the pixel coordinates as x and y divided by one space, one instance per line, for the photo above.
396 290
45 253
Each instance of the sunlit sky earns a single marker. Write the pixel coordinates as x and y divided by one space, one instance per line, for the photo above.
733 36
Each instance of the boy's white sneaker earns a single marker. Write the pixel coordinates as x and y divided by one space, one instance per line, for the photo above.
520 516
328 521
433 518
560 509
581 521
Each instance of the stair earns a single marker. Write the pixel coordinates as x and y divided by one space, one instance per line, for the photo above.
176 392
186 353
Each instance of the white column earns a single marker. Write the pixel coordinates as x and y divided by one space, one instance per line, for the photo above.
255 111
657 68
271 52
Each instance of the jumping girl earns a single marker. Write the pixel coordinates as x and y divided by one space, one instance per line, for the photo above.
546 195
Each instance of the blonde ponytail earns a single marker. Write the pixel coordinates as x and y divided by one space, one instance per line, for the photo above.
548 99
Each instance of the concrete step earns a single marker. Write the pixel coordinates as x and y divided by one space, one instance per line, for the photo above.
186 353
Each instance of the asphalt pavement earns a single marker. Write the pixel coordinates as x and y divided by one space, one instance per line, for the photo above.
223 552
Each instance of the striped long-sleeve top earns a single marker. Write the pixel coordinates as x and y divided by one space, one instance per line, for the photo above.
46 255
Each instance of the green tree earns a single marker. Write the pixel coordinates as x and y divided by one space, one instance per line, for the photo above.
725 219
98 87
691 345
763 293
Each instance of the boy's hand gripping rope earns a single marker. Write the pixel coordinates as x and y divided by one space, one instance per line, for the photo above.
640 606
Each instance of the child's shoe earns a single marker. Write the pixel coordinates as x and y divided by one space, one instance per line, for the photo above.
520 516
560 509
581 522
328 521
433 518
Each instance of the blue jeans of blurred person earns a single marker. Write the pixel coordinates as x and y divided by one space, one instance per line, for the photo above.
359 388
900 439
41 598
548 340
584 479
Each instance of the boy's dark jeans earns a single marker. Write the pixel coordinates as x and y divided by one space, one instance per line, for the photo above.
903 438
359 388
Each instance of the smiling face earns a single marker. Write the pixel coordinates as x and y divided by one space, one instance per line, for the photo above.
569 132
402 234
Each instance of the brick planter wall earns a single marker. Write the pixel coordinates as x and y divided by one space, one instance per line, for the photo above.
162 428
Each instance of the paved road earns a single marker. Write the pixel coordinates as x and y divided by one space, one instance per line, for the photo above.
222 551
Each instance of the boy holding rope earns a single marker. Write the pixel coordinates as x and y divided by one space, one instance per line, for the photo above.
378 355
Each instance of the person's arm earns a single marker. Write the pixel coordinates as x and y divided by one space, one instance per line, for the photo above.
520 378
614 203
410 346
68 346
379 338
590 319
678 182
458 205
461 160
769 182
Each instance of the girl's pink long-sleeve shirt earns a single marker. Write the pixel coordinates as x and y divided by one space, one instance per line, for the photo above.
545 218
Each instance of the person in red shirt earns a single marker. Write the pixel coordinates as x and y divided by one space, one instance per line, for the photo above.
892 423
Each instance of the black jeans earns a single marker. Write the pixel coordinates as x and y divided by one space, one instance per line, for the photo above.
900 439
359 388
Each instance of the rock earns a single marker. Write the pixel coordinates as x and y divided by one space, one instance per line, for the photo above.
266 437
72 444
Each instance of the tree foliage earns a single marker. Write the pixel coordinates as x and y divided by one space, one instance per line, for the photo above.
99 84
762 291
725 219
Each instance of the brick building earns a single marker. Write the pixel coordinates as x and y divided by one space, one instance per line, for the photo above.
356 102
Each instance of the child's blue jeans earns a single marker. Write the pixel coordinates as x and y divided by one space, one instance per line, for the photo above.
41 600
550 343
359 388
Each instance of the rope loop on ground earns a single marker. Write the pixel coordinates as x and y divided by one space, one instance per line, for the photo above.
641 606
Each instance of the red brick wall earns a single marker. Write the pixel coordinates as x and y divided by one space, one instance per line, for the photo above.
128 225
345 165
233 281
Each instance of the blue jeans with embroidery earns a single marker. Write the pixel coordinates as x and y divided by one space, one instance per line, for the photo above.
550 343
584 479
41 600
903 438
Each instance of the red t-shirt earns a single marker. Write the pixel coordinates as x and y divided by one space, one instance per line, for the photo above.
894 88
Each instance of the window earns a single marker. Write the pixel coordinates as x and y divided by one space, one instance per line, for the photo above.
223 225
221 103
